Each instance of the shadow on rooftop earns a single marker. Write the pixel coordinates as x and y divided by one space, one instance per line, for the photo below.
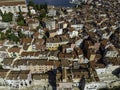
116 72
82 83
52 79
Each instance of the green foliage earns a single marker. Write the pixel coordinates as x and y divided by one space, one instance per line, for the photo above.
8 31
1 67
29 13
45 37
39 27
31 3
13 37
46 7
43 8
42 15
7 17
58 13
38 6
21 22
20 19
65 11
2 36
1 12
9 35
20 34
49 17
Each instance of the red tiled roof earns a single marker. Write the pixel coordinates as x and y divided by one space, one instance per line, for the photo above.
14 49
6 3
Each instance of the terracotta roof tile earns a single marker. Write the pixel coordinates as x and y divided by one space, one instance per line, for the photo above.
14 49
5 3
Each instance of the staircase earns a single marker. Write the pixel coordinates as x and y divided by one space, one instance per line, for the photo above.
7 74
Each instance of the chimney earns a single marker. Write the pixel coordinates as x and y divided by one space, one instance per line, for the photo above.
64 74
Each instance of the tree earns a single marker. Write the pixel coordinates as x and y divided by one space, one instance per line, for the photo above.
7 17
1 67
20 34
2 36
21 22
8 31
31 3
43 6
46 7
20 19
39 27
65 11
42 15
13 37
1 12
29 13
